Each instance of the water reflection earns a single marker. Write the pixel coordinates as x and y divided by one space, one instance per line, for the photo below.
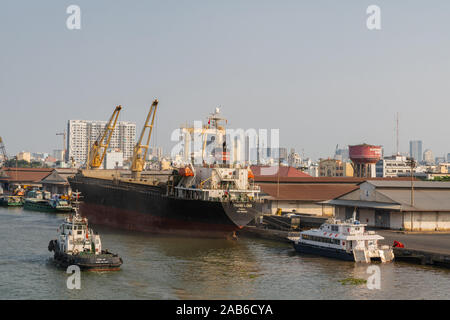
157 267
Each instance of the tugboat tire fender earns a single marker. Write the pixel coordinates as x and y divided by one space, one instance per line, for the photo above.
51 246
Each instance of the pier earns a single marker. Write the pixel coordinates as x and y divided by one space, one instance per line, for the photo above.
420 248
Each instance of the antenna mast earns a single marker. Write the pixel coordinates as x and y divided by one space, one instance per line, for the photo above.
397 136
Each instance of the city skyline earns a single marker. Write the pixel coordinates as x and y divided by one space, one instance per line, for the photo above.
326 83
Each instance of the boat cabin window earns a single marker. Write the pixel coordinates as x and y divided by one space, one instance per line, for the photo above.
334 228
321 239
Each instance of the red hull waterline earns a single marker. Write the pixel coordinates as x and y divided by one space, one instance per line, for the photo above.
142 222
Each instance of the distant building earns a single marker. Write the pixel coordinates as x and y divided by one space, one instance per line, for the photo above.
58 155
113 159
81 133
313 170
276 171
294 159
335 168
448 157
387 204
39 156
26 156
415 150
155 153
393 166
439 160
57 182
342 154
428 157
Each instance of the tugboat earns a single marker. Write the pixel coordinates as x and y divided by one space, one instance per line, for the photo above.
346 240
79 245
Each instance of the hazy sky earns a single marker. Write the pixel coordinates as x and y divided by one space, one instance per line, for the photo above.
310 68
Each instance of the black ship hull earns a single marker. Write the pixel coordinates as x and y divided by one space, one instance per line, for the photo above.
147 208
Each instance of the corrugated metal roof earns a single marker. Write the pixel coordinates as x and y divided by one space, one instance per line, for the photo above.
424 200
364 204
407 184
306 192
348 180
24 174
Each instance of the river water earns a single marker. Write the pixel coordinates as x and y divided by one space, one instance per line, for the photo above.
159 267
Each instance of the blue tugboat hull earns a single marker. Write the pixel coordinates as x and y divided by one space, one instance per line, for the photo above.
326 252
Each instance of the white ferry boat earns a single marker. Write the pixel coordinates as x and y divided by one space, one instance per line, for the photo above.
346 240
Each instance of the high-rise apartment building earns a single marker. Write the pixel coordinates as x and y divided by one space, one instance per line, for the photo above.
428 157
415 150
81 133
393 166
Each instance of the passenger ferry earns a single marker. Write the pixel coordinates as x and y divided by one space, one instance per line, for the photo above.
346 240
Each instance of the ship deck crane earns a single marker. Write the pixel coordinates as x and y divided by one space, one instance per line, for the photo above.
100 146
3 152
140 150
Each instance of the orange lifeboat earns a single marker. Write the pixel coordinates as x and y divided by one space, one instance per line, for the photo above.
186 172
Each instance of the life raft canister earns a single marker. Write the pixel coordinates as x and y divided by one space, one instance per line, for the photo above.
398 244
185 172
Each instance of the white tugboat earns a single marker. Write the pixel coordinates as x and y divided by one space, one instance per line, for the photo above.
79 245
346 240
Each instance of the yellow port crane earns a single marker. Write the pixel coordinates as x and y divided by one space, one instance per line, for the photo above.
3 151
99 148
140 151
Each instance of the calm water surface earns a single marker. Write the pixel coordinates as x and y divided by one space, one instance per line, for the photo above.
157 267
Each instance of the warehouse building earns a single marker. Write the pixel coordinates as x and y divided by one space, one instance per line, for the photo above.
303 195
394 204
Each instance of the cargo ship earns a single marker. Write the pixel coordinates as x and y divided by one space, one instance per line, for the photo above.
206 200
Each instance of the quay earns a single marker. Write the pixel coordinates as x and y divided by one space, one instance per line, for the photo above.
420 248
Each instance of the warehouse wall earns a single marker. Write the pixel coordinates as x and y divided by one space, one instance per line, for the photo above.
299 206
427 221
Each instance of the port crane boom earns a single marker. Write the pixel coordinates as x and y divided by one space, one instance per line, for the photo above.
98 149
3 151
140 151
